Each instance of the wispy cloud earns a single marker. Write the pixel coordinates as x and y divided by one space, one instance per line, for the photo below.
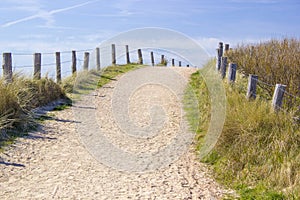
46 15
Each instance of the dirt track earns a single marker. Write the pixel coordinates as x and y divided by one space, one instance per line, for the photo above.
60 162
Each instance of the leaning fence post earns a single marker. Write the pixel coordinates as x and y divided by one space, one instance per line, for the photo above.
179 63
252 82
74 62
223 66
113 54
37 58
278 96
232 72
127 54
86 61
58 67
98 66
173 62
7 67
140 57
152 58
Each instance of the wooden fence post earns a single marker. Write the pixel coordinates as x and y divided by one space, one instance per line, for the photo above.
232 72
226 48
140 57
173 62
220 49
86 61
113 54
74 62
98 66
152 58
223 66
219 59
278 96
162 60
127 54
187 65
37 59
7 67
252 82
58 67
179 63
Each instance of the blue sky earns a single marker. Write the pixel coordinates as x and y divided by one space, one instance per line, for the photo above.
46 26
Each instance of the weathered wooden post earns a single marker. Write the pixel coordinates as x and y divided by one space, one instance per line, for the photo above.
162 60
7 67
173 62
251 90
179 63
37 60
58 67
140 57
226 49
220 49
86 61
232 72
278 96
113 54
98 66
218 60
74 62
127 54
152 58
219 56
187 65
223 66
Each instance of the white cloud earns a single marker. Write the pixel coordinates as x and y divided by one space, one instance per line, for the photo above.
34 6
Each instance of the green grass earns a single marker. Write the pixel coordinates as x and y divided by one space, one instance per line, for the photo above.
197 113
111 72
258 152
86 81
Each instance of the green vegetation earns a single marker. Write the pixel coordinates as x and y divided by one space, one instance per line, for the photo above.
17 101
22 95
275 61
86 81
198 114
258 152
111 72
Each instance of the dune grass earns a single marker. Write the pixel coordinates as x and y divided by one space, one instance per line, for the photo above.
258 152
17 100
274 61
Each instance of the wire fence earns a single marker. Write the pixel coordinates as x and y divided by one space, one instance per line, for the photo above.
24 62
278 93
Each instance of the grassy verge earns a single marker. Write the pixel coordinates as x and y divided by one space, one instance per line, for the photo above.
22 95
258 152
18 99
86 81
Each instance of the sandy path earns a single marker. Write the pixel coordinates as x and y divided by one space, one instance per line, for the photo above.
64 160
